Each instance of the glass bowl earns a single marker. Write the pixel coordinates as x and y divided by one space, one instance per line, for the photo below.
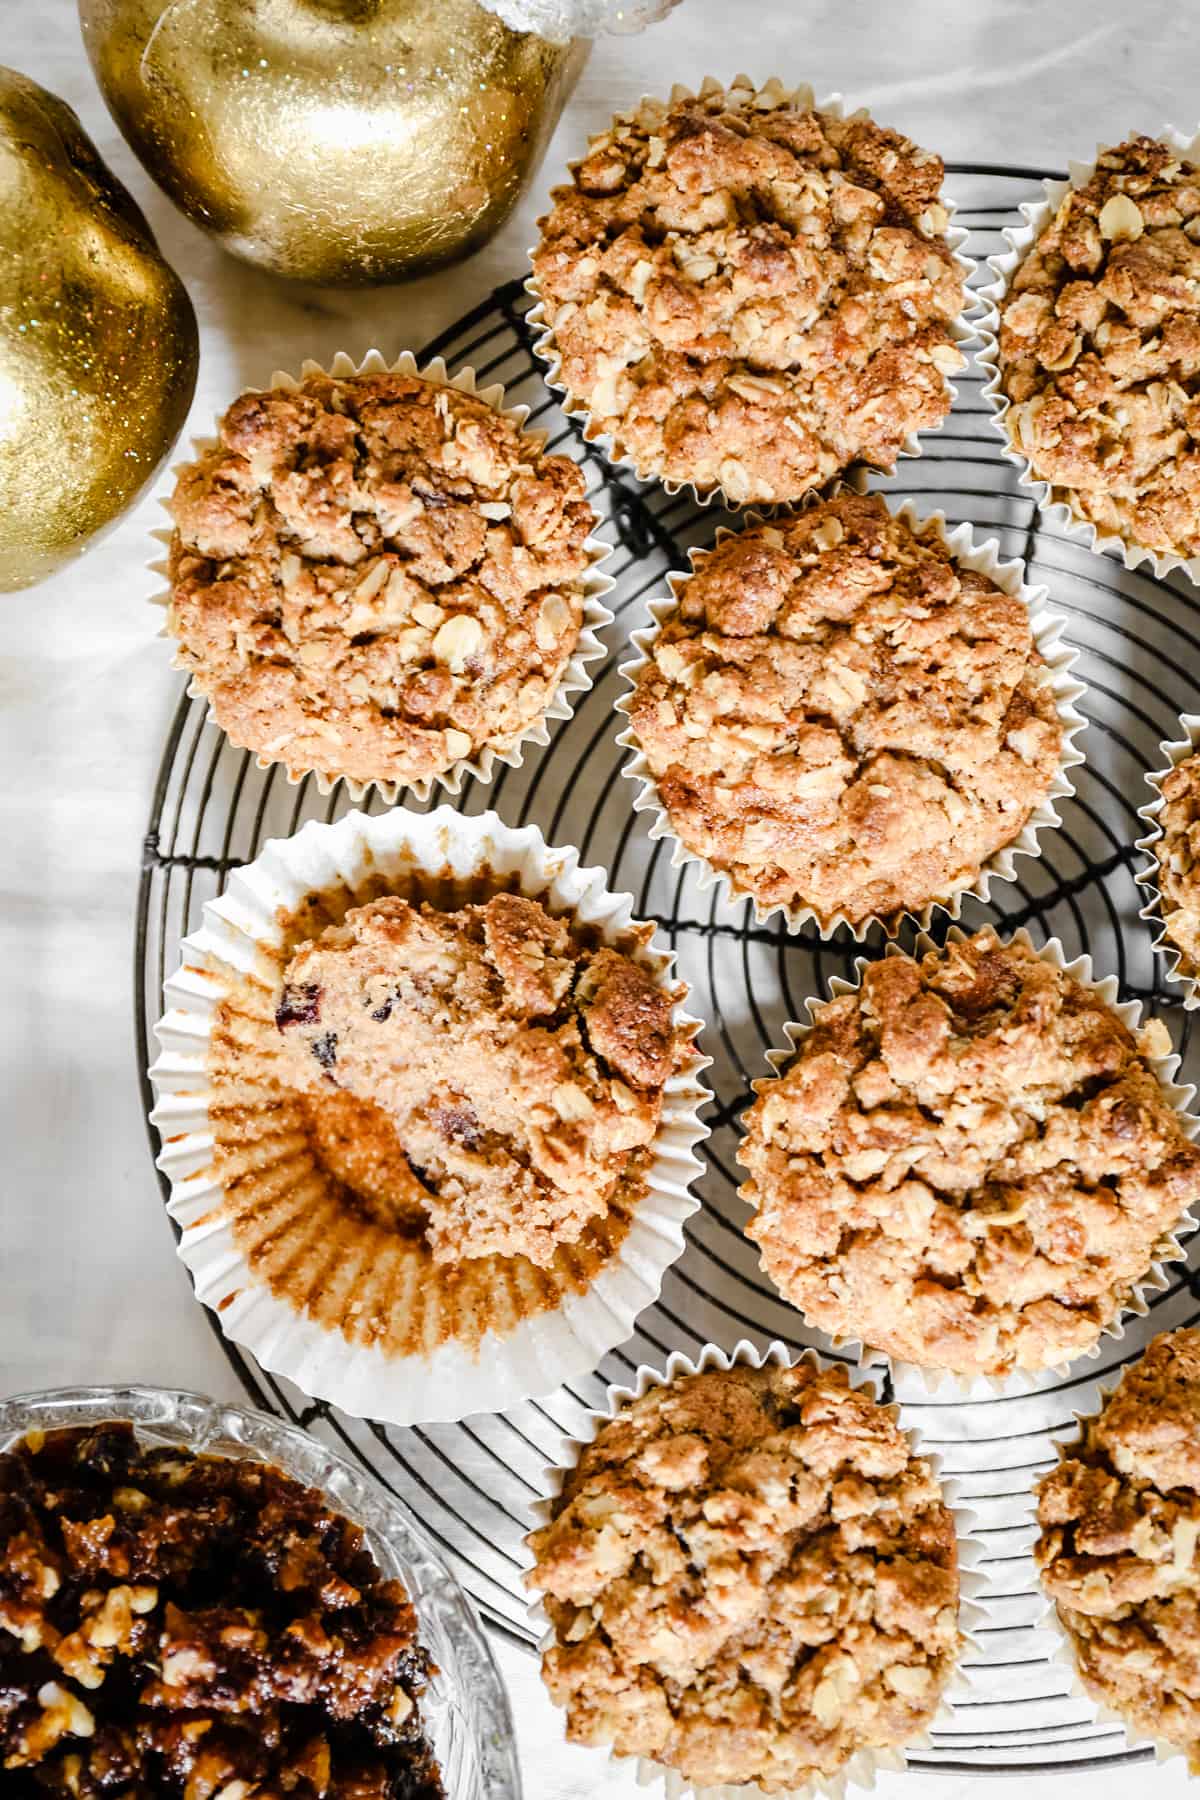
465 1707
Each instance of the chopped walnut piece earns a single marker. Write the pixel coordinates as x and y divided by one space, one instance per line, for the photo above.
750 1578
362 574
842 716
968 1164
520 1069
750 294
1120 1523
1100 349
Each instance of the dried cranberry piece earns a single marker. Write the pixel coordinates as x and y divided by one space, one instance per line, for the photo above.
460 1124
325 1049
299 1006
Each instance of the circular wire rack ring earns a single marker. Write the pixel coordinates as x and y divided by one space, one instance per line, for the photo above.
471 1483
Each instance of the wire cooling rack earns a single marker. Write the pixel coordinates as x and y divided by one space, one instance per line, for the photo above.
1140 656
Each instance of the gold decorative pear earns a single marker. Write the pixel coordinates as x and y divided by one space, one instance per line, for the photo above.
334 141
98 341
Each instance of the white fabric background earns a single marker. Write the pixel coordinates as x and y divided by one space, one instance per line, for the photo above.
89 1286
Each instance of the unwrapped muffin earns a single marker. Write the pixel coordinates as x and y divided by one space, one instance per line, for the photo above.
751 1578
377 576
1099 349
970 1162
519 1068
1120 1522
842 716
748 294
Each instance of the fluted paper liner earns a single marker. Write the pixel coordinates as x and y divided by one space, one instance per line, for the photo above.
1061 1644
544 344
861 1769
1173 751
1059 511
575 678
1167 1251
1059 657
334 1341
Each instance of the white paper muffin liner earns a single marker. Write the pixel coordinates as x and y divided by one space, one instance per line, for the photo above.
1173 751
1167 1251
1060 1642
452 1379
1058 511
1059 657
575 678
862 1768
545 347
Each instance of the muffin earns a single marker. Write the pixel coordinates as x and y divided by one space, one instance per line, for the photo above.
518 1068
750 1578
840 716
377 576
1120 1521
1177 875
970 1163
193 1625
1099 347
749 294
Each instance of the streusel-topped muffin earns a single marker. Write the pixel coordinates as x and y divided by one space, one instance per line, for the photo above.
969 1164
1178 855
520 1068
749 294
1099 349
1120 1521
842 716
376 576
750 1578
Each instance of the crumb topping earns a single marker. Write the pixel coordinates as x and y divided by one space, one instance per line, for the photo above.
969 1164
1100 349
748 293
841 716
1178 851
750 1578
376 576
520 1068
1120 1522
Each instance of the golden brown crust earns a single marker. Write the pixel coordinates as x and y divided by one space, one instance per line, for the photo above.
750 1578
520 1070
376 576
843 717
1120 1521
1178 854
750 294
969 1164
1100 349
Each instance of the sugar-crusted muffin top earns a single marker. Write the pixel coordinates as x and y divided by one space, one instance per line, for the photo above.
970 1162
842 716
751 294
520 1067
1100 349
750 1578
1120 1522
376 576
1178 854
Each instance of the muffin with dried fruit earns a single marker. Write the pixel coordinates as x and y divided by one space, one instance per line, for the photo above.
751 1579
1098 351
844 718
749 294
1176 874
1120 1523
970 1163
378 576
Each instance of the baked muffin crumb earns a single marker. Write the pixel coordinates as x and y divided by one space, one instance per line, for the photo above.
841 715
969 1164
750 1579
1120 1522
750 294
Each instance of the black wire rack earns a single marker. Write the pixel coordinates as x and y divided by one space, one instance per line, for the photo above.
1139 639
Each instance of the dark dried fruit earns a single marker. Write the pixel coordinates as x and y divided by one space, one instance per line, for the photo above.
299 1006
325 1049
460 1124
